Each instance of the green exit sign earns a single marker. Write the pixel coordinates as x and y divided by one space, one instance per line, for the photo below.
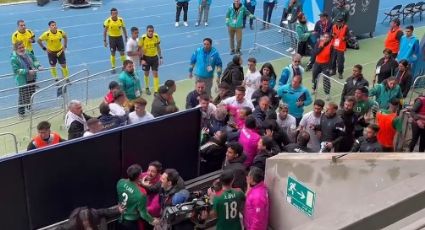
300 196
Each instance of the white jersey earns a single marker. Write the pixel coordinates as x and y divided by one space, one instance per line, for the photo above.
134 118
309 121
231 101
132 45
252 82
289 125
116 110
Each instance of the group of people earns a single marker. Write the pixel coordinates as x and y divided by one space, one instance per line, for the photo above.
143 198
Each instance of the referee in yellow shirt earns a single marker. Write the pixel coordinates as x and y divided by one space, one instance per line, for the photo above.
55 49
151 56
114 26
24 35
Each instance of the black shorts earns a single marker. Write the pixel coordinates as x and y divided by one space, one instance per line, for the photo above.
116 43
54 58
151 62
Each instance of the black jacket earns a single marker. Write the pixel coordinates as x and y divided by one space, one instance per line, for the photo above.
237 166
350 88
212 155
297 148
260 159
237 76
109 121
332 129
76 129
387 69
350 121
97 214
159 106
405 81
366 145
192 99
271 93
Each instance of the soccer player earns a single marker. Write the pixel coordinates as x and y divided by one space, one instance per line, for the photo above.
228 205
114 26
55 49
151 56
132 47
133 200
24 35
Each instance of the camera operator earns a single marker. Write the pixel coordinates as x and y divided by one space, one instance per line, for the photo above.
133 200
227 205
172 193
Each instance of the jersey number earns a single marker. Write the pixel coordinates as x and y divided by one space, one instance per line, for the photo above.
124 199
231 214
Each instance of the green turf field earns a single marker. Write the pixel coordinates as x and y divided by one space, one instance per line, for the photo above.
369 53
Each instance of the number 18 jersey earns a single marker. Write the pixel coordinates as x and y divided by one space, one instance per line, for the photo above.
227 207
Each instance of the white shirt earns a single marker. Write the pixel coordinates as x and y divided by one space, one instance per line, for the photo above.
308 122
252 82
132 45
232 102
87 133
133 118
289 125
210 111
116 110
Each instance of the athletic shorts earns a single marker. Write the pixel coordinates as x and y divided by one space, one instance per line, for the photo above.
151 62
54 58
116 43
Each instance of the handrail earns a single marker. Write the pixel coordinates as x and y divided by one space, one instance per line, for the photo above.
86 79
48 87
412 89
14 139
13 74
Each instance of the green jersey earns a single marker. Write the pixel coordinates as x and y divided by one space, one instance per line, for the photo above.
227 207
133 200
363 107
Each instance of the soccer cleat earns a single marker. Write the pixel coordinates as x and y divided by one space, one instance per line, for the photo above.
290 49
197 24
176 24
232 52
293 52
185 24
206 23
238 52
340 76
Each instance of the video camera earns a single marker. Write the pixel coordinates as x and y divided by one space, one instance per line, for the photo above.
188 211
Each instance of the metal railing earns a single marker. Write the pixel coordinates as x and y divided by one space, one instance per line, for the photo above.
328 88
15 141
46 103
273 38
417 89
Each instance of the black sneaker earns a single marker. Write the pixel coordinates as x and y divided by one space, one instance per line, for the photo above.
148 92
232 52
340 76
238 52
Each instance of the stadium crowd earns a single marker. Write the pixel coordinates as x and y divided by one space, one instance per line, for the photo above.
253 116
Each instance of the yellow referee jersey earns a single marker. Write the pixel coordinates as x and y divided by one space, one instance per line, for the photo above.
149 45
24 38
53 40
114 27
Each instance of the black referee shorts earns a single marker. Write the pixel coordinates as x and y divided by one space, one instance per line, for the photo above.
54 58
151 63
116 43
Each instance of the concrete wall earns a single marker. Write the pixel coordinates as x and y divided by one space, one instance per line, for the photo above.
338 186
